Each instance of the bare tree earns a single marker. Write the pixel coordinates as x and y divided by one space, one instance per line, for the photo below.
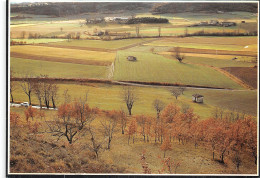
109 126
159 31
176 92
72 120
38 91
53 94
158 106
66 96
182 89
129 98
61 29
27 86
12 85
23 34
137 30
78 35
123 121
95 145
177 54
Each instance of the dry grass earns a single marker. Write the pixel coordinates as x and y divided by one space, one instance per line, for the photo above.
69 54
42 153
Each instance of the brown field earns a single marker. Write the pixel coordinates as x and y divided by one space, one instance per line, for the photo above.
241 41
60 59
220 52
77 47
247 74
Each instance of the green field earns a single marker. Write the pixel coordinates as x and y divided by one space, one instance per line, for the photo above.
57 69
109 97
155 68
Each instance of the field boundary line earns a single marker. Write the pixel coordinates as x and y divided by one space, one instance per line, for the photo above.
114 82
227 74
77 47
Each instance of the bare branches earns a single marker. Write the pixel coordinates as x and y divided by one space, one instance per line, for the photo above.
129 97
176 92
27 86
158 106
177 54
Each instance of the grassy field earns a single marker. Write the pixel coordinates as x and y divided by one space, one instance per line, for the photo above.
57 69
102 44
35 41
109 97
217 43
81 55
155 68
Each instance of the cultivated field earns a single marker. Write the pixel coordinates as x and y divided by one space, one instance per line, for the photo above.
148 68
164 131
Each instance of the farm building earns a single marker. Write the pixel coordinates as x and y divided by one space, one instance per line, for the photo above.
131 58
228 24
214 22
197 98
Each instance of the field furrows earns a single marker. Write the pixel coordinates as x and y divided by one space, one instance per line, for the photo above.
218 52
76 47
60 59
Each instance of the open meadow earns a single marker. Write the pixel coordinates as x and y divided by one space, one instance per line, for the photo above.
152 88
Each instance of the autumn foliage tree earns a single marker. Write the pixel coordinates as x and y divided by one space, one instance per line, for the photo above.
30 112
71 120
166 146
132 129
109 125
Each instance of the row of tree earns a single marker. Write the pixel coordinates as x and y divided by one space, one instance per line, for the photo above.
44 90
223 135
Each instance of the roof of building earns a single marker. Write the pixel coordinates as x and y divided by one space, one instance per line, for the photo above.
197 95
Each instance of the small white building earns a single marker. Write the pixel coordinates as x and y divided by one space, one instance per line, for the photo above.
197 98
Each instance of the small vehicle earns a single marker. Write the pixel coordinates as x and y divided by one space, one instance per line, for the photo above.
26 104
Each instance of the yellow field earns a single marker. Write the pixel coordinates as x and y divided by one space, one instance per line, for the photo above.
82 55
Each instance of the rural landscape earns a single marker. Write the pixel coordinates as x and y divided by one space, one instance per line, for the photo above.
133 88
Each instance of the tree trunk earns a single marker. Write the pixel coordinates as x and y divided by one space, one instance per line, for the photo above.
128 139
129 110
109 141
30 103
123 132
164 154
144 138
53 103
213 155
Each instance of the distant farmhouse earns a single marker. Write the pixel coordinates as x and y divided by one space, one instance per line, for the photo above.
131 58
215 23
94 21
117 19
197 98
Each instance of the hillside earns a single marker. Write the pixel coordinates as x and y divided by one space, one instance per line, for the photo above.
64 9
203 7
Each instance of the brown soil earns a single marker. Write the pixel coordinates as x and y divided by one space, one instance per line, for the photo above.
219 52
76 47
246 74
58 59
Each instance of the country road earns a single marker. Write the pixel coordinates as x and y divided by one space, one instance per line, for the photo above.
131 83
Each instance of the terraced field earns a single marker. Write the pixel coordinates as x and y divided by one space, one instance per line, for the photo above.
22 67
155 68
62 55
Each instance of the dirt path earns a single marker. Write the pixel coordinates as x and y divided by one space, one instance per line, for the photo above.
58 59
